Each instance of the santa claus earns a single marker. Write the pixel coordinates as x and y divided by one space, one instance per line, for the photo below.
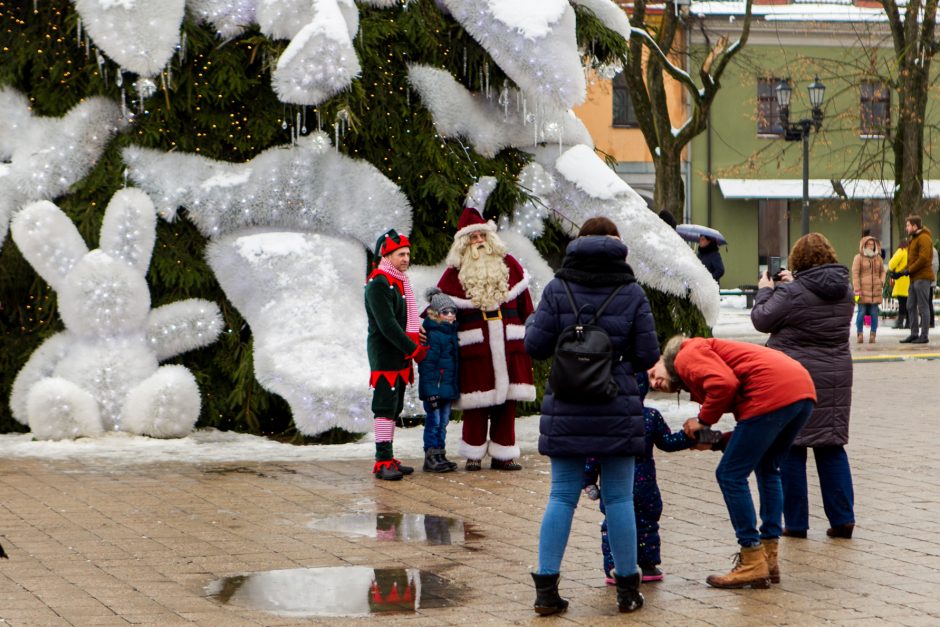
490 289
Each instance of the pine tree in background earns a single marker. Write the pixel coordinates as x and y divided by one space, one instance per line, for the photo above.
215 99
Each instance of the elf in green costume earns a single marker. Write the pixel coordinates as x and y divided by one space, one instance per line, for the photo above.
393 345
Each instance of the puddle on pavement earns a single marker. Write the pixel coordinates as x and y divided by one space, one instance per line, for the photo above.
392 526
337 591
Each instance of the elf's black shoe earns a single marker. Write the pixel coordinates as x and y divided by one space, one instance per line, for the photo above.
386 470
405 470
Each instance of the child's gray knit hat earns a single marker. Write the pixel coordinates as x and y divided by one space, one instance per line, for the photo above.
439 301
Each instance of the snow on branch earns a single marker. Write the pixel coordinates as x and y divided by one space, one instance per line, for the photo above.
586 187
532 41
490 126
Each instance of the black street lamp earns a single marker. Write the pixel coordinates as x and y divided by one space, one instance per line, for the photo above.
795 131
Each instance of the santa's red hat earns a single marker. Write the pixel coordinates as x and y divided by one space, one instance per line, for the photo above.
472 220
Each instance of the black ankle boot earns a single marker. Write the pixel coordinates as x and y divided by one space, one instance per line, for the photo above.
629 598
433 462
547 600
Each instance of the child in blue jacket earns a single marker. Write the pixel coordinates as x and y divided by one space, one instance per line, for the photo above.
647 501
437 382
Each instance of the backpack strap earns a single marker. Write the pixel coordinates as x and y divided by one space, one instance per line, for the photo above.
600 310
603 306
574 306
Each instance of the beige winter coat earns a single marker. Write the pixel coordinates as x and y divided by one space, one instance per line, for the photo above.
868 273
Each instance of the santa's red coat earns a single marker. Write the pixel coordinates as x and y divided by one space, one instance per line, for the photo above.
494 367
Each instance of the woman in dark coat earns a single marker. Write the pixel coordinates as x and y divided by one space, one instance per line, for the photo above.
710 257
808 316
594 265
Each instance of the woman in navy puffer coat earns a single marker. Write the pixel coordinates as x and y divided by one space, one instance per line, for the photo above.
594 265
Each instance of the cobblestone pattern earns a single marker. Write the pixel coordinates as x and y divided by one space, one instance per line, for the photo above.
92 544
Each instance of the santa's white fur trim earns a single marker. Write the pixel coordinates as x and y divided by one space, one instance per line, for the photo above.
498 354
476 400
515 332
470 336
502 452
521 392
489 227
471 451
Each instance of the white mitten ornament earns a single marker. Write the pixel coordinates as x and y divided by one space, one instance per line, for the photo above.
102 373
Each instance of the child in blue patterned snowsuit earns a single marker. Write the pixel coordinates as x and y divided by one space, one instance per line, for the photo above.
647 501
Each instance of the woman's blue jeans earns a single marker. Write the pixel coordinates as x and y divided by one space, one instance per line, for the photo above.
435 425
866 309
617 493
835 483
758 445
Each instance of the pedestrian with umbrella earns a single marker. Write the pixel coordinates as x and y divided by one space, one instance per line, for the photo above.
708 240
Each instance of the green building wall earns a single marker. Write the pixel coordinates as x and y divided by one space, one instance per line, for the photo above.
737 151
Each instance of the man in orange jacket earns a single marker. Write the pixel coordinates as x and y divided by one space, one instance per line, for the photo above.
771 396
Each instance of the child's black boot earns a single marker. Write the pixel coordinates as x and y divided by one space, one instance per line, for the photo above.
629 598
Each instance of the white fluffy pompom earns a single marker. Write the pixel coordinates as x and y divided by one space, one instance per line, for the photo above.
61 410
165 405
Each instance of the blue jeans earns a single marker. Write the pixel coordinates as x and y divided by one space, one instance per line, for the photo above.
866 309
617 493
435 424
758 445
835 482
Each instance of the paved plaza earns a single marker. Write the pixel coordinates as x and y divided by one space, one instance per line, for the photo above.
104 543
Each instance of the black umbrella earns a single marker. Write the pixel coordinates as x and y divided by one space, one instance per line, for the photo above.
691 233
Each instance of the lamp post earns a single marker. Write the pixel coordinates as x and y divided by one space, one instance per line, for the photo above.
795 131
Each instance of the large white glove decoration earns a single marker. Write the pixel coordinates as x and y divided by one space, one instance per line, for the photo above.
289 232
45 156
101 373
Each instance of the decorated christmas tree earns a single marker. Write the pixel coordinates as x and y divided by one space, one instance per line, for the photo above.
276 140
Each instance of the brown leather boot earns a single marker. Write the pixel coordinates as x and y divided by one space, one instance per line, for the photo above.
770 554
871 338
861 338
750 570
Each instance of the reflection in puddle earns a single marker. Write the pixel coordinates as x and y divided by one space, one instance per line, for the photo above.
434 530
337 591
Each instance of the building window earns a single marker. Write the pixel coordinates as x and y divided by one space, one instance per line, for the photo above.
875 108
624 114
876 220
768 116
773 232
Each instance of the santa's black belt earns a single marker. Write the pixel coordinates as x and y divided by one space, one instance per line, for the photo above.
472 315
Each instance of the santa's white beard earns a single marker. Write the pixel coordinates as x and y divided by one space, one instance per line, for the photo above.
484 276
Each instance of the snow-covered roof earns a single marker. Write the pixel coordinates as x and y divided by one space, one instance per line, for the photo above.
854 189
800 11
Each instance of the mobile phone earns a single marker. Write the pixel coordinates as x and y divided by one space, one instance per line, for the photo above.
773 266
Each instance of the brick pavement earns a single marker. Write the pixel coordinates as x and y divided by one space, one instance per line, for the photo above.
99 544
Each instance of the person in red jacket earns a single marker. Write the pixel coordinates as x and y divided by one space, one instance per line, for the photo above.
771 396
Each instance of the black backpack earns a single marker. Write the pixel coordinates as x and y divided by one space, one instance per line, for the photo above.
582 369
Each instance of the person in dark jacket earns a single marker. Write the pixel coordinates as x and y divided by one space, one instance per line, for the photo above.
647 500
710 257
807 314
437 381
594 265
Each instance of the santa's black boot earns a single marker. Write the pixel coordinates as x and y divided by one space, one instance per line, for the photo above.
547 599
